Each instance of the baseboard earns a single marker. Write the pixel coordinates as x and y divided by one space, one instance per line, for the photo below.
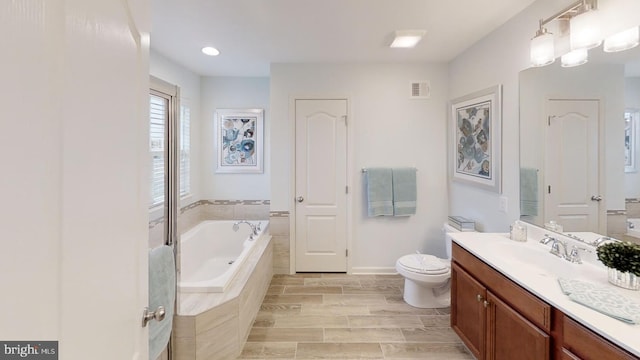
365 270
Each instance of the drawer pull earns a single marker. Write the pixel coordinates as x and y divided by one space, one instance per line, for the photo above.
486 304
479 298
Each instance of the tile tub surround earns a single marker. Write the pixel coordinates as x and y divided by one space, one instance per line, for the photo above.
216 325
339 316
279 225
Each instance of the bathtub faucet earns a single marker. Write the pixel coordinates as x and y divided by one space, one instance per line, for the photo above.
254 231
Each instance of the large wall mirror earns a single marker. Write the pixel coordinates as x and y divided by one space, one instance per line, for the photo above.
576 148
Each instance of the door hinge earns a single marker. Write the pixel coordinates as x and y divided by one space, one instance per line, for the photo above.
346 252
346 189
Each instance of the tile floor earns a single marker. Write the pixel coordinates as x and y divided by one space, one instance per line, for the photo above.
338 316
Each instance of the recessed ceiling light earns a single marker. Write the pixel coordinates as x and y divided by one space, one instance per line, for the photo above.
407 38
211 51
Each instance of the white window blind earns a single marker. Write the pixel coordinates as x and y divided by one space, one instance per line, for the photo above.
185 150
158 113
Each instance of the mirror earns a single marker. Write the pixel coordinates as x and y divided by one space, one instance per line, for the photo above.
572 143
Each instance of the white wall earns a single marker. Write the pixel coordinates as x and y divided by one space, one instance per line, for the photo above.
386 129
233 93
497 59
189 84
632 101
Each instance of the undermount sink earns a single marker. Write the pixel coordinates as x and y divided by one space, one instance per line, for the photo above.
539 260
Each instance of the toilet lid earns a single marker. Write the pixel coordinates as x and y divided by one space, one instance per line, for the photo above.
425 264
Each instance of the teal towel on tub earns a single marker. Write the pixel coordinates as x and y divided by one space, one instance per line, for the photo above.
379 192
404 191
162 292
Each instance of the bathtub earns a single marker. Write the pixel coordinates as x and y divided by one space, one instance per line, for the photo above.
211 254
633 227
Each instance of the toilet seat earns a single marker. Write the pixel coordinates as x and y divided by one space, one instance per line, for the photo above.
424 264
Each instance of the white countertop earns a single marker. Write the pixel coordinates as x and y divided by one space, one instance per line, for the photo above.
530 265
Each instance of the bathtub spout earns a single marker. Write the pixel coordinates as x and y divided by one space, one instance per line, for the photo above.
254 231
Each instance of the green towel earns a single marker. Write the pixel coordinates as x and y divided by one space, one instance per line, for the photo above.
379 192
162 292
404 191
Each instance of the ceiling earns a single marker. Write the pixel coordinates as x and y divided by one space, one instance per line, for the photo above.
252 34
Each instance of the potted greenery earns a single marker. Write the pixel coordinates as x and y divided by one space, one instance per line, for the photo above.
623 260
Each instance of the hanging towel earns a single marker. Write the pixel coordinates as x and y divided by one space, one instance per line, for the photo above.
379 191
162 292
404 191
529 191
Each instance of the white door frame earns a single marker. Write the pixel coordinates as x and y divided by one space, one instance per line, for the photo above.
292 175
602 156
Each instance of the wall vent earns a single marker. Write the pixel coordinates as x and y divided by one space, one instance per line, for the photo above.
420 89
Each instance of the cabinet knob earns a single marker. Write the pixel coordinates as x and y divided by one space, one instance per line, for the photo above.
486 304
479 298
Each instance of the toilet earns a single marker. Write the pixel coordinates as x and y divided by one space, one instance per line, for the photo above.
427 278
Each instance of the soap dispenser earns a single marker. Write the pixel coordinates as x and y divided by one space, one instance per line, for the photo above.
519 231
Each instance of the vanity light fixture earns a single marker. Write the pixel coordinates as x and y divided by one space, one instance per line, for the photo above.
211 51
584 31
574 58
407 38
623 40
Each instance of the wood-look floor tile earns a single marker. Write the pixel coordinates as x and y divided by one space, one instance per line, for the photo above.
275 290
399 283
312 321
286 335
363 335
333 309
431 335
436 320
384 321
287 281
381 289
400 309
444 311
265 350
362 299
264 320
292 299
343 276
395 299
424 351
331 282
280 309
298 290
339 351
299 275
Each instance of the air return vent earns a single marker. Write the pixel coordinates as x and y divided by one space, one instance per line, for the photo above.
420 89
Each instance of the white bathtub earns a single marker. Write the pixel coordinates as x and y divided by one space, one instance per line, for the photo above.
211 254
633 227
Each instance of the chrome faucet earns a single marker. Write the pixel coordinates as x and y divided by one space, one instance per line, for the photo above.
603 239
574 256
547 239
556 245
254 231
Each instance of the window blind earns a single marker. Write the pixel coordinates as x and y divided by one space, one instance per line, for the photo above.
185 150
158 113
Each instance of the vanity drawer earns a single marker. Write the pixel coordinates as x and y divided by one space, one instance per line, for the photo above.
528 305
588 345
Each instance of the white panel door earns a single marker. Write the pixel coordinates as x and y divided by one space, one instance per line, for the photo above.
571 165
320 185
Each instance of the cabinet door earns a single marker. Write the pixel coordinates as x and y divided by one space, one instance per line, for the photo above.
511 336
568 355
467 311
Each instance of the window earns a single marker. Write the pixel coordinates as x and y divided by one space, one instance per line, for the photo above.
185 155
158 115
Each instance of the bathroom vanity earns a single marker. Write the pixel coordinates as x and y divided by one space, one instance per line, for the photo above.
505 298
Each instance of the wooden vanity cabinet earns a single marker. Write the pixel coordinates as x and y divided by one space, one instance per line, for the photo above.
499 320
489 326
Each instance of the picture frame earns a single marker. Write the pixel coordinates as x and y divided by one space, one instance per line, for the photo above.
476 139
630 140
239 135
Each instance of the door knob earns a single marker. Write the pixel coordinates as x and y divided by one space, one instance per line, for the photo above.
158 315
299 199
596 198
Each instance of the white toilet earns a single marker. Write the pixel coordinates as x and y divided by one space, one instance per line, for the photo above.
427 278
